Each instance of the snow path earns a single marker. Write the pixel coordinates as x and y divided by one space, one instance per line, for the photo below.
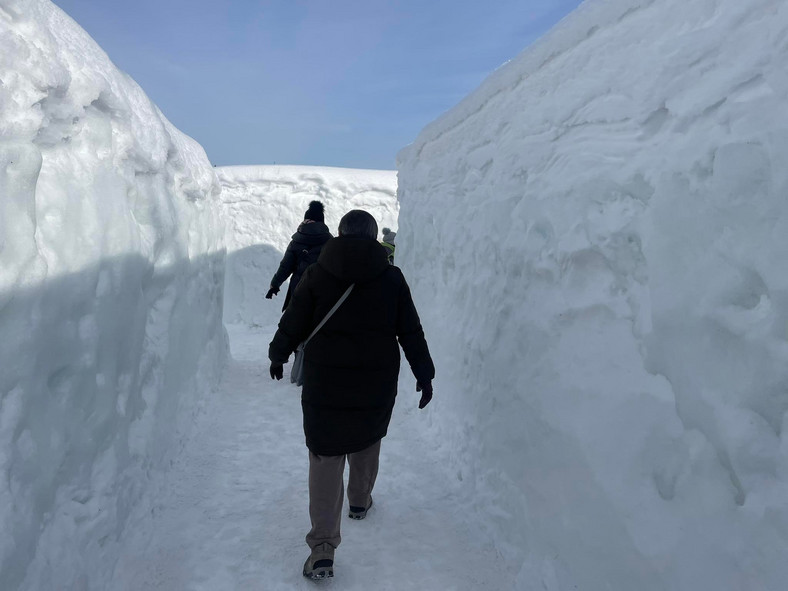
233 508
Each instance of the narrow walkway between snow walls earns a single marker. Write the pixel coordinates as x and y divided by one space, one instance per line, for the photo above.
596 240
111 278
233 511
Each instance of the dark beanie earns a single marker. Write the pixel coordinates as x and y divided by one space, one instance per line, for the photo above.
315 212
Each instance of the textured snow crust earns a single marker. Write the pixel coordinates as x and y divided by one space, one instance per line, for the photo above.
597 241
111 279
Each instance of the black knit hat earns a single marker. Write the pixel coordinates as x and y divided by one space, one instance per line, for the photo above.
315 212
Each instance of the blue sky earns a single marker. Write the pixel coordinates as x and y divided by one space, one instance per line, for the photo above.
318 82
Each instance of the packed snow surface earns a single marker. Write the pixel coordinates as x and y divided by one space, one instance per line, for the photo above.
263 206
597 242
233 511
111 278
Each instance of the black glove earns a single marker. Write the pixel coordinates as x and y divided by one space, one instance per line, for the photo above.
277 370
271 293
426 393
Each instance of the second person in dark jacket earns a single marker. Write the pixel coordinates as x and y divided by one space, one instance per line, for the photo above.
303 250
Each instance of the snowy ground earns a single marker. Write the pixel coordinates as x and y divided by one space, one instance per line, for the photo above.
233 514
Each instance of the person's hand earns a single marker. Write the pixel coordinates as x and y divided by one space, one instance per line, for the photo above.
277 370
426 393
271 293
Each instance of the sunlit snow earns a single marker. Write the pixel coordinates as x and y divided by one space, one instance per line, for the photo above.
596 243
111 275
598 240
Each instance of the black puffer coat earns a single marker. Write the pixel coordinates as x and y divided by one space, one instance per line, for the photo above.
303 250
351 365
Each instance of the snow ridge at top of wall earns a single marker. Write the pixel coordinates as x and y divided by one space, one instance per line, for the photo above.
582 23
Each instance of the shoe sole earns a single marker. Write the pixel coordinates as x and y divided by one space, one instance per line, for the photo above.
320 573
358 515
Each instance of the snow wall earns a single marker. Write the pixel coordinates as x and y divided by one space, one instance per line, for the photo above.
597 241
264 205
111 279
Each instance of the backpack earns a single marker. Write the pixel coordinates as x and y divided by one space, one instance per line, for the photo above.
307 257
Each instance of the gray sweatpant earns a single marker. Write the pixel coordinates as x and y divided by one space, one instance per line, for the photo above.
327 489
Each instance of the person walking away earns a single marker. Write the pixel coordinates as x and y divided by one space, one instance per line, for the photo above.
388 243
303 250
350 372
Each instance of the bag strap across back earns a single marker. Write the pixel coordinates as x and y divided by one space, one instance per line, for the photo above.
330 312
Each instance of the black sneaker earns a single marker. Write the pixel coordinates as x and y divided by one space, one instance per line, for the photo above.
359 512
320 564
